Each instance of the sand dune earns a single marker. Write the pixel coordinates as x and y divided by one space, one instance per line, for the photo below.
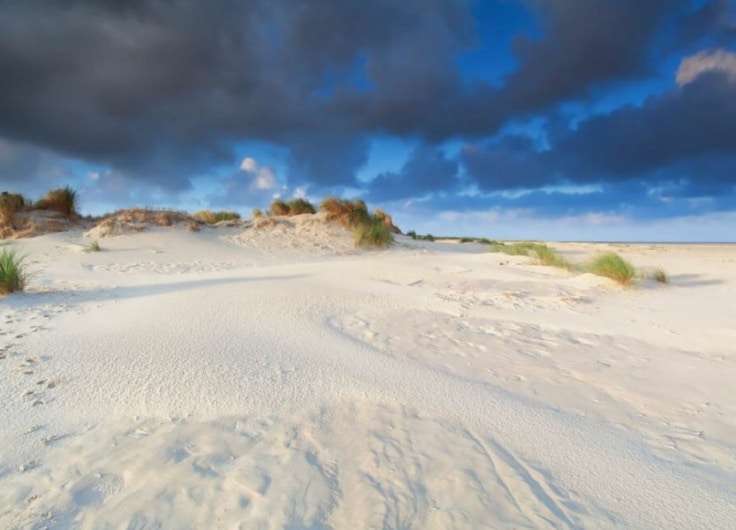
274 377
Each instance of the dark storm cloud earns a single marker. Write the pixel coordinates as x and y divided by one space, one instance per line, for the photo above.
427 170
161 90
685 135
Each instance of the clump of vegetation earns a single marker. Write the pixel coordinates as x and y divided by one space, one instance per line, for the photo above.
658 275
94 246
412 234
300 206
257 213
613 266
278 207
350 214
373 234
63 200
12 272
210 217
10 203
549 257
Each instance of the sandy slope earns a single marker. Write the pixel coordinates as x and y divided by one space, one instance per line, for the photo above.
280 379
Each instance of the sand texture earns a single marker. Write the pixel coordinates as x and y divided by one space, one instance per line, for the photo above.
269 375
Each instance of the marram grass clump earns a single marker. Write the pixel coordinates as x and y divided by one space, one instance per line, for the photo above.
658 274
211 217
63 200
94 246
12 272
613 266
373 234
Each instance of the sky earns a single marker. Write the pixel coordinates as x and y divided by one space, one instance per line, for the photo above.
610 120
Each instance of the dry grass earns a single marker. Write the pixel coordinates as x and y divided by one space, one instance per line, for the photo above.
278 207
10 204
63 200
350 214
658 274
214 217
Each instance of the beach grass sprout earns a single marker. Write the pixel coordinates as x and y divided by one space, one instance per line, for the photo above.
13 275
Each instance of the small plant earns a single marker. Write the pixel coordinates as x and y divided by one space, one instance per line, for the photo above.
63 200
549 257
12 272
428 237
412 234
373 234
613 266
257 213
94 246
659 275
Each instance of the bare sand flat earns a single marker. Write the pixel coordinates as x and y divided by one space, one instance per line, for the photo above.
244 378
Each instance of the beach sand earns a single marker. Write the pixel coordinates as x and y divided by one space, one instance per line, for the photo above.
238 377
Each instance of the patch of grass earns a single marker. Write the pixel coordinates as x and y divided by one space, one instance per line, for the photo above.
373 234
10 203
549 257
211 217
94 246
541 251
350 214
613 266
64 200
257 213
12 272
516 249
278 207
658 275
428 237
300 206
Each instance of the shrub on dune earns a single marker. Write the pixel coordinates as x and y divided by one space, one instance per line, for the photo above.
613 266
63 200
373 234
12 272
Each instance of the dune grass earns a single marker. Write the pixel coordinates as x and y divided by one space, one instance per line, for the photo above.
658 274
613 266
544 254
10 203
373 234
300 206
63 200
12 272
350 214
94 246
213 217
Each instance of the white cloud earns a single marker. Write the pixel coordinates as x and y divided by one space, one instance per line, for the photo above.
263 176
706 61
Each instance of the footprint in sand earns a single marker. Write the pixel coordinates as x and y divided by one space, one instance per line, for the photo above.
95 489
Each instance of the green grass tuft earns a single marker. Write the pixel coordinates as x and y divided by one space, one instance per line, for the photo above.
613 266
373 234
12 272
94 246
659 275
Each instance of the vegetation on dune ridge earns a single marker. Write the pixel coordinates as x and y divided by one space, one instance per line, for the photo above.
213 217
293 207
63 200
10 204
350 214
13 276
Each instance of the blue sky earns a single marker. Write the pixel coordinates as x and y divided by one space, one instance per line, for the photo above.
528 119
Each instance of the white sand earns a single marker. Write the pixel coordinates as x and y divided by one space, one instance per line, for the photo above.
281 379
